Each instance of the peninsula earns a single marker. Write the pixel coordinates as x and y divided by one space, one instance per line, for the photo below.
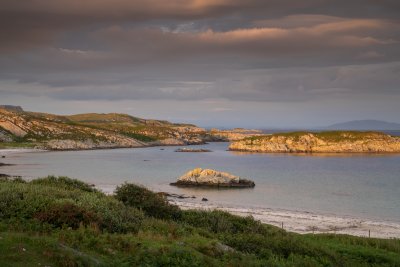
19 128
321 142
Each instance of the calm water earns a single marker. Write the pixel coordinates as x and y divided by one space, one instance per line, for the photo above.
367 186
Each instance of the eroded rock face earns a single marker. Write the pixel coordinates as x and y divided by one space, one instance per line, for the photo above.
335 142
208 177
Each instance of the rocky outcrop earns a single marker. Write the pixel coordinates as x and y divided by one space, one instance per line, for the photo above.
12 108
323 142
234 134
193 150
92 130
5 137
89 144
208 177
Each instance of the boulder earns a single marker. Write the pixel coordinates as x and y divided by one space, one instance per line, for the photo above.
208 177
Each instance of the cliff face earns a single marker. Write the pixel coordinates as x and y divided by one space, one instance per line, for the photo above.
90 131
324 142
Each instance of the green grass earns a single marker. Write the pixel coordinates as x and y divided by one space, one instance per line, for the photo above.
58 221
17 145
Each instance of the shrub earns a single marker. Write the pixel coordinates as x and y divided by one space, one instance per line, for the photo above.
68 214
27 200
64 182
116 217
152 204
222 222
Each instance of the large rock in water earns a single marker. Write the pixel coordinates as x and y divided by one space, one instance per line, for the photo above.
208 177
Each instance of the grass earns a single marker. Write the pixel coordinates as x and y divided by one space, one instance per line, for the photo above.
332 136
58 221
17 145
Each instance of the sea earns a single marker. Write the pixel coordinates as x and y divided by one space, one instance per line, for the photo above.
359 185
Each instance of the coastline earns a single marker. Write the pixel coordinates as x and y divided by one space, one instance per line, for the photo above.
301 222
304 222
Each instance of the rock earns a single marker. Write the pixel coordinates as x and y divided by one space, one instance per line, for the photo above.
223 248
324 142
204 199
234 134
165 194
192 150
208 177
12 108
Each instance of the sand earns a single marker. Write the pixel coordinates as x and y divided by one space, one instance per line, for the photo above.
307 222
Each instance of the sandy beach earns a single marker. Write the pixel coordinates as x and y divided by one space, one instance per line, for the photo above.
307 222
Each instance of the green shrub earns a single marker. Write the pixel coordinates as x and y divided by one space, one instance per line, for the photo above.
26 200
221 222
152 204
116 217
64 182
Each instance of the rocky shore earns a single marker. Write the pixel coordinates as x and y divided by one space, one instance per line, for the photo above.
323 142
212 178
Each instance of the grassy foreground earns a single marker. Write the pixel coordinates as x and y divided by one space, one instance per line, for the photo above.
58 221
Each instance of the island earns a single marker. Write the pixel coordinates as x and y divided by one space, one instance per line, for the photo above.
212 178
320 142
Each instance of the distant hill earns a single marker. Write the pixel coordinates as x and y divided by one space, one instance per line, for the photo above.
364 125
90 131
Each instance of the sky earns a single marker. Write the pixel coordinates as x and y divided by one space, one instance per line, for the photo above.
214 63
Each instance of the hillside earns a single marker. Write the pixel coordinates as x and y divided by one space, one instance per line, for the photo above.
88 131
365 125
322 142
58 221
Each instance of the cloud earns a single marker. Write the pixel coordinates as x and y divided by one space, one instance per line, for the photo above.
256 50
34 23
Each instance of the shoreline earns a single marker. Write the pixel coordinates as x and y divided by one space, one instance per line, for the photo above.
301 222
304 222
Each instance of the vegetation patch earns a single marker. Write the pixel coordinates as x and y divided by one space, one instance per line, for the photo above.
332 136
58 221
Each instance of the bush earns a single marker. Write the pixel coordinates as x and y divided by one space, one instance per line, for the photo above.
222 222
64 182
116 217
152 204
27 200
68 214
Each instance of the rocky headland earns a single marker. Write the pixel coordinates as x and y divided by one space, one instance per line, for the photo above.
92 131
322 142
212 178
